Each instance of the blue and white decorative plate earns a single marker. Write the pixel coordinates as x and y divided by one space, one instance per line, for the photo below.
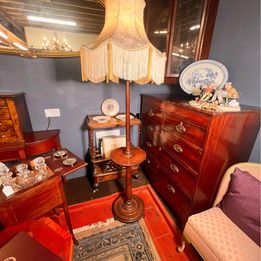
202 73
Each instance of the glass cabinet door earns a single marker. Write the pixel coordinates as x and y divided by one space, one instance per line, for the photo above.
181 28
185 35
157 22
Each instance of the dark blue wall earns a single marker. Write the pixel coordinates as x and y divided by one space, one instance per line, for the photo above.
236 43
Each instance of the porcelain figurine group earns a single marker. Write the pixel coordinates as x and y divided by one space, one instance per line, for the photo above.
214 98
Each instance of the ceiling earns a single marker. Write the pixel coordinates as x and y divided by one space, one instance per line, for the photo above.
88 14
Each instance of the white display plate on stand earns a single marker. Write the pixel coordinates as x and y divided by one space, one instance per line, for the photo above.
203 73
110 107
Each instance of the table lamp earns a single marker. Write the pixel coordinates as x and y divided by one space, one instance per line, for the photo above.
122 50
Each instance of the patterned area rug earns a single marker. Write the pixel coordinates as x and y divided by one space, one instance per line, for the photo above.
114 241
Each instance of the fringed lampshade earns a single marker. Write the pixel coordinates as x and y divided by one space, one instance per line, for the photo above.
123 51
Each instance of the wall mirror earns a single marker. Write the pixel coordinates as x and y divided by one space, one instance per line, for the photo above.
49 28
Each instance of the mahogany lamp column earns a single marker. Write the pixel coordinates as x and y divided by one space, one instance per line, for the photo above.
128 208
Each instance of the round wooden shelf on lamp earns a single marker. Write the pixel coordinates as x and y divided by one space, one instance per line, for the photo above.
128 208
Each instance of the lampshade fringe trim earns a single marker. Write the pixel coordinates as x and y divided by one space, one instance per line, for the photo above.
111 62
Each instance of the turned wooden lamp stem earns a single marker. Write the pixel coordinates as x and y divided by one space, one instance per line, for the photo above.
128 185
127 101
129 207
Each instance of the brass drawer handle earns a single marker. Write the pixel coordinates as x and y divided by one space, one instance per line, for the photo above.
171 189
150 128
177 148
148 161
3 135
180 128
174 168
151 113
148 144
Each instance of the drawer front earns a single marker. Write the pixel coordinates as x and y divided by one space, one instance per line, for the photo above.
178 174
150 127
176 200
152 113
167 189
184 129
186 112
4 113
32 204
150 131
150 141
151 164
151 167
3 102
190 155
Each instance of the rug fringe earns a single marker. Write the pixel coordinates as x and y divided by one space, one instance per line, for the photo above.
94 225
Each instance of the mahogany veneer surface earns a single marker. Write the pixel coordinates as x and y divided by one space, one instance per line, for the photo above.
46 232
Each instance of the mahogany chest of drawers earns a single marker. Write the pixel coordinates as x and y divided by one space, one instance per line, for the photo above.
14 118
189 149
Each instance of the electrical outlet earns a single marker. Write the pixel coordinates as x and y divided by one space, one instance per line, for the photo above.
52 112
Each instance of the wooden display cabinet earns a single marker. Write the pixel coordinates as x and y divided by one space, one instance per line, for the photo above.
181 28
103 169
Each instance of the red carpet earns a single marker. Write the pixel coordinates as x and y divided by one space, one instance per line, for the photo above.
163 230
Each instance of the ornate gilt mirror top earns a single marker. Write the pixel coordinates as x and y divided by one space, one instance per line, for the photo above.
49 28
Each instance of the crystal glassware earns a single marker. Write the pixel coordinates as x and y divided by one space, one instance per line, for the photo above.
22 169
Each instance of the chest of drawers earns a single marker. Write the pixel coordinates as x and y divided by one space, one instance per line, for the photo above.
14 118
188 149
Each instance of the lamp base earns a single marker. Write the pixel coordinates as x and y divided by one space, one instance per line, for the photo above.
128 212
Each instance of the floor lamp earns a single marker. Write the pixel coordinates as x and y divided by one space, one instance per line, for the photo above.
122 51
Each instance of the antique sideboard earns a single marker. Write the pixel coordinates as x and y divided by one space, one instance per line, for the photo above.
189 149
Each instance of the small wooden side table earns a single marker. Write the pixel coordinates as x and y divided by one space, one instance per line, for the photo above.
104 169
46 232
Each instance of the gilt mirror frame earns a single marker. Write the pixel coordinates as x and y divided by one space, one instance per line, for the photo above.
14 14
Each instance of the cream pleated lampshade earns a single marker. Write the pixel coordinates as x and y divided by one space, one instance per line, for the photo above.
123 50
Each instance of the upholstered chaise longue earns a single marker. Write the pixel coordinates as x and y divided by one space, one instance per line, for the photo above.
230 230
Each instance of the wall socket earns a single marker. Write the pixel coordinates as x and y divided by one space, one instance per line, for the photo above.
52 112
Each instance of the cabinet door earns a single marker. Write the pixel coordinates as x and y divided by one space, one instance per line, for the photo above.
157 22
181 28
185 33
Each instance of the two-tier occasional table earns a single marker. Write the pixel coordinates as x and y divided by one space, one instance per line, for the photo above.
104 169
42 197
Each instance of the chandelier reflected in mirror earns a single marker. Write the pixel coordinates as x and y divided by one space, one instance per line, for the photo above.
55 44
